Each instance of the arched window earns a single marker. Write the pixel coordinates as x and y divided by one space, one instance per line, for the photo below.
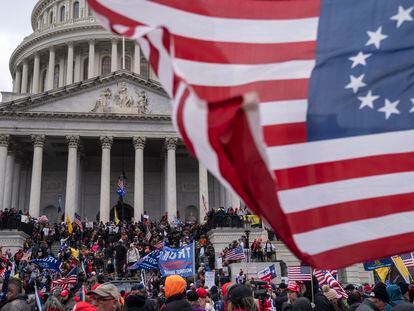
85 68
51 17
76 9
56 77
144 70
44 76
62 13
106 65
128 63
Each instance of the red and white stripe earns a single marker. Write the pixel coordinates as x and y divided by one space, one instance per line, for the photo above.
64 283
325 277
209 55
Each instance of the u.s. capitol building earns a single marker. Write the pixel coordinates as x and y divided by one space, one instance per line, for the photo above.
84 108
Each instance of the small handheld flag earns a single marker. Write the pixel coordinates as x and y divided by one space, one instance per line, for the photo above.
69 224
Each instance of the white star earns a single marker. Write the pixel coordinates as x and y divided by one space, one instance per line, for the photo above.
359 59
368 100
403 15
412 108
376 37
390 108
356 83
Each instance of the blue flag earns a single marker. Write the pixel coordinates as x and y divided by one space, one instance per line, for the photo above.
379 263
177 261
47 263
148 262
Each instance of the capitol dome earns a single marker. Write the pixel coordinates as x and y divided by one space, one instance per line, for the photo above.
86 110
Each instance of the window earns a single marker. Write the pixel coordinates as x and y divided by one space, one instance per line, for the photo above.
62 13
51 17
44 76
85 69
144 70
106 65
56 77
127 63
76 9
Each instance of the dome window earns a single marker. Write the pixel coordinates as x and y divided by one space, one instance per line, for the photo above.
76 9
62 13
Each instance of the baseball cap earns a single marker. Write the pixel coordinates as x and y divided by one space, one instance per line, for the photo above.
294 287
105 290
64 293
202 293
380 291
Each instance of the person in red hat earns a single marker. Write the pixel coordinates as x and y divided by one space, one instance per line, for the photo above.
84 306
293 293
66 299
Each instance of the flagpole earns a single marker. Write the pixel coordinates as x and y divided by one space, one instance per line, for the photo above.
123 52
313 296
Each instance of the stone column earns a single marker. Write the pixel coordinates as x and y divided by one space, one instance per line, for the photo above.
36 73
17 81
106 143
77 76
139 145
4 144
227 197
114 55
69 69
71 179
203 192
91 60
25 76
8 180
235 200
61 72
36 184
137 59
51 68
170 144
16 183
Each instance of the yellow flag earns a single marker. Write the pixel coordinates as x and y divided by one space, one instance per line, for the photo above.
383 273
69 224
254 219
399 264
116 216
74 252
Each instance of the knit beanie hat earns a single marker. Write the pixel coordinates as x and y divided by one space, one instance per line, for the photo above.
174 285
192 296
330 293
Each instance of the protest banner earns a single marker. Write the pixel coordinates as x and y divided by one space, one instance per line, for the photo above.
49 262
177 261
148 262
379 263
210 279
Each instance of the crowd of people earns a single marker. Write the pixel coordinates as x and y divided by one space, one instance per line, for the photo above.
103 253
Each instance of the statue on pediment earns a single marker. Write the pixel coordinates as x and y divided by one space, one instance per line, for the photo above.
103 103
121 102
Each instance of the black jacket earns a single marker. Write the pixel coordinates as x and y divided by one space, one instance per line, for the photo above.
322 303
177 303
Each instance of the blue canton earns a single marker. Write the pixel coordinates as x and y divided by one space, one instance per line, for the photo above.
364 74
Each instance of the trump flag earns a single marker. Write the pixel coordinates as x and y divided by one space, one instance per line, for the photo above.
304 108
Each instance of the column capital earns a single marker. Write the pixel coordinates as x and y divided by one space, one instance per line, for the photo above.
38 140
4 140
70 44
171 143
139 142
73 141
106 142
114 40
52 48
91 41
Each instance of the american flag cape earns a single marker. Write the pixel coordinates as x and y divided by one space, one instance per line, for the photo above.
321 151
325 277
299 273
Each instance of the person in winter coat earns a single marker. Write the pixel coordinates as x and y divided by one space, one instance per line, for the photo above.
241 299
282 296
302 304
354 300
377 300
175 287
293 291
396 298
193 299
137 300
16 300
321 302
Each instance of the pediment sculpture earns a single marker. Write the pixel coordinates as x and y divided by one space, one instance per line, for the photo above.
121 101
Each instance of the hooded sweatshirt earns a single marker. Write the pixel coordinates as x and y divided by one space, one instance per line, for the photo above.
396 298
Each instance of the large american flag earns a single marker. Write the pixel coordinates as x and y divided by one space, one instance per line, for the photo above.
408 259
63 283
78 221
324 156
299 273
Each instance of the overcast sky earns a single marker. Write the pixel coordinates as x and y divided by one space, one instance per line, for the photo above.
14 26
